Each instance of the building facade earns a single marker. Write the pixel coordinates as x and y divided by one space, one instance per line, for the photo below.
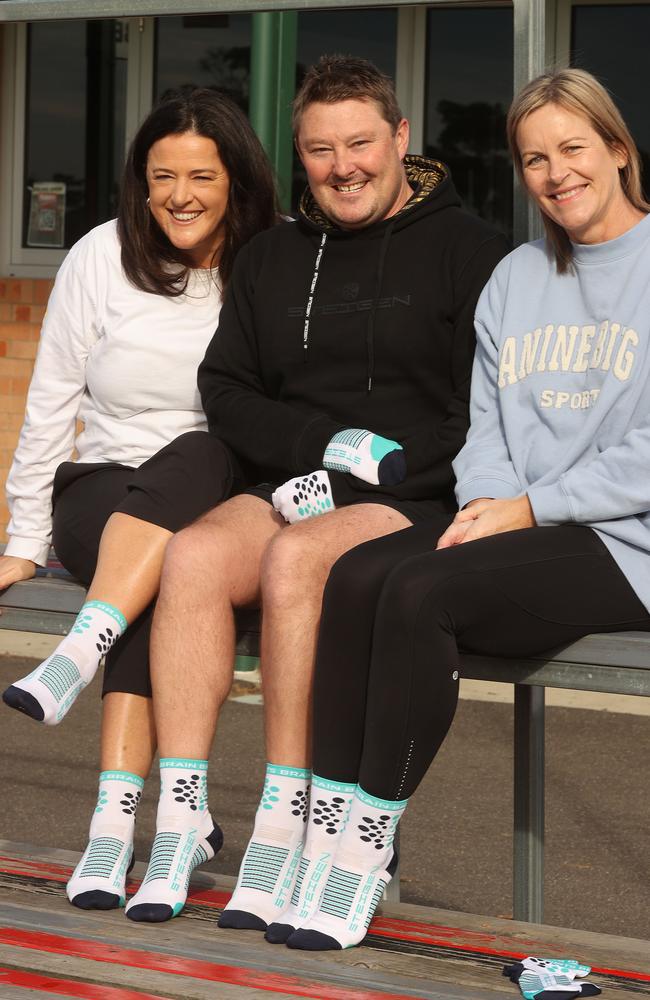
73 93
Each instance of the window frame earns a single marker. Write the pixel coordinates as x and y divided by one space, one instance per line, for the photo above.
40 262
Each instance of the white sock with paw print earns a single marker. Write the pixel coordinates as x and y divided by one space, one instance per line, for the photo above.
270 866
186 837
50 690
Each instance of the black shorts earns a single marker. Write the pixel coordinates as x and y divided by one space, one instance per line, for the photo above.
186 478
414 510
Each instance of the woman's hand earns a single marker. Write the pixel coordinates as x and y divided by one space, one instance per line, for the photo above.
481 518
13 569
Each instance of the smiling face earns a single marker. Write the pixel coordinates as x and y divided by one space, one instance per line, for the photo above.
353 161
188 194
574 176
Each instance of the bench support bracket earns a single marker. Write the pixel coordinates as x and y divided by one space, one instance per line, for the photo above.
528 847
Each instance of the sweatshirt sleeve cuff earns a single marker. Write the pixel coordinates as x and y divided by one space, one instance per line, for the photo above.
28 548
311 445
495 489
550 504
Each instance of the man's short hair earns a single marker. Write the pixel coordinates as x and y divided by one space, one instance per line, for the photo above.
346 78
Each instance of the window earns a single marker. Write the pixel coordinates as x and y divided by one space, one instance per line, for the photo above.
599 34
468 90
206 51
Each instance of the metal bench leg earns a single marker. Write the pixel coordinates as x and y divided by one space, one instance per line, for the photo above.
528 846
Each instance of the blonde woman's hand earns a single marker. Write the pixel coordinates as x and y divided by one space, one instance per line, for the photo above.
13 569
481 518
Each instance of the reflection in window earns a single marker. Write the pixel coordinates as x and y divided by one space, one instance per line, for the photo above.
468 91
74 128
204 50
599 35
371 34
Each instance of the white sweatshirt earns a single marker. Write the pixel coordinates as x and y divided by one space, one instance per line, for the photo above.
120 360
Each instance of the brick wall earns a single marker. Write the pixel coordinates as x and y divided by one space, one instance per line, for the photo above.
22 307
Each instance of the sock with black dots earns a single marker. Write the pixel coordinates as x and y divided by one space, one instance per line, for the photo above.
98 882
306 496
186 837
50 690
270 866
368 456
329 808
363 866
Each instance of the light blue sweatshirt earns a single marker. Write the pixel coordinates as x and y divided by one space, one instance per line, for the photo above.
560 405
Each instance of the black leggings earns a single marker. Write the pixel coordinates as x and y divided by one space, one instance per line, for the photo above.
186 478
396 612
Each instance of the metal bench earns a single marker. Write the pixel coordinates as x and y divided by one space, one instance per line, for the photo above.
617 663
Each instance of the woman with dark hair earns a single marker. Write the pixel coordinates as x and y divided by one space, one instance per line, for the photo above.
552 539
133 308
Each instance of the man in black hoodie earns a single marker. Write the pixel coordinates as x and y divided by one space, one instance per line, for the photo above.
339 376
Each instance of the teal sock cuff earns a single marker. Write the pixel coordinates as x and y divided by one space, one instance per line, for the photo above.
332 786
110 610
390 805
277 770
133 779
183 763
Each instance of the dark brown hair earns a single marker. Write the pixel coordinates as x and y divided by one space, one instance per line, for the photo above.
146 252
579 92
345 78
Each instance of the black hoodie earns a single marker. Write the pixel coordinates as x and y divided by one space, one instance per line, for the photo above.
324 329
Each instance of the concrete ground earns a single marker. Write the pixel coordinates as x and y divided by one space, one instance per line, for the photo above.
456 833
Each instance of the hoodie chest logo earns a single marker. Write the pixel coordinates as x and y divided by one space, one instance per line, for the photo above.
352 306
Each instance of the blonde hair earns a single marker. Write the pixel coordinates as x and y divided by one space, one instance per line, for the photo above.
578 91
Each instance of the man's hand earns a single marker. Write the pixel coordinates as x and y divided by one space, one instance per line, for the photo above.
13 569
481 518
306 496
367 456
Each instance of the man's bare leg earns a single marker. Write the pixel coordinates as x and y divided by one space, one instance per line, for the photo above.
295 567
210 567
294 573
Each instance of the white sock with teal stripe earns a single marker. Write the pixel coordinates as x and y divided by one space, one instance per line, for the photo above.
270 866
98 882
50 690
186 837
367 456
363 867
329 809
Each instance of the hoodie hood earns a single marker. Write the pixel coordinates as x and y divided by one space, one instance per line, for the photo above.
433 190
432 187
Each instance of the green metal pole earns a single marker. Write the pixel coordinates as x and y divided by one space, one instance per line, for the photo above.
273 71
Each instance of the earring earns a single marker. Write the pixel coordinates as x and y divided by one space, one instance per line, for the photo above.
148 201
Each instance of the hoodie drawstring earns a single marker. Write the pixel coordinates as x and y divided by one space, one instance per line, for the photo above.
370 329
310 300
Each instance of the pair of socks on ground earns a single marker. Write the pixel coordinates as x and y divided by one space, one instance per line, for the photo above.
49 691
186 837
551 978
314 889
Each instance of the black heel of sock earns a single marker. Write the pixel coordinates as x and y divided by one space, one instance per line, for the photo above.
391 868
23 702
215 840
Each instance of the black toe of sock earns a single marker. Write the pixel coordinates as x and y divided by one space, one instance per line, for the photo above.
278 933
312 941
153 913
25 702
392 469
241 920
96 899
